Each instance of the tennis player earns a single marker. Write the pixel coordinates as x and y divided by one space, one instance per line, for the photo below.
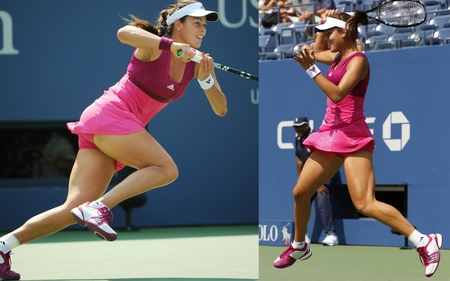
112 131
345 139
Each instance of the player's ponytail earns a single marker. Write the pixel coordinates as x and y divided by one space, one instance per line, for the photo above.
141 23
358 17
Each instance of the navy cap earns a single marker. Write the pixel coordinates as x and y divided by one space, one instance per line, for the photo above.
301 120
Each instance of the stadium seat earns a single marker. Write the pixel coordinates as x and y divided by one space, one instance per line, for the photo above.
280 26
399 35
284 51
129 205
423 34
432 6
299 29
439 20
287 36
443 35
263 41
406 43
385 46
372 42
385 29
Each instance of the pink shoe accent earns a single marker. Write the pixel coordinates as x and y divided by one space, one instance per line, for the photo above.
429 254
5 268
96 219
291 255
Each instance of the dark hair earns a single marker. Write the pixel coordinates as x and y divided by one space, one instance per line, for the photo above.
141 23
161 24
161 27
359 17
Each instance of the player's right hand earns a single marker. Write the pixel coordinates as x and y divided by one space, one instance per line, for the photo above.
183 51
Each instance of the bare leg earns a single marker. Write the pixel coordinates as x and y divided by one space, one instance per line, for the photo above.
318 169
141 151
92 172
89 179
361 186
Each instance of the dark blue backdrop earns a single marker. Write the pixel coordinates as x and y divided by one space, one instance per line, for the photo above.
407 96
67 54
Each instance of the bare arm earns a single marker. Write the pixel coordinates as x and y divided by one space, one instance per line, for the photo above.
147 44
216 97
321 52
357 69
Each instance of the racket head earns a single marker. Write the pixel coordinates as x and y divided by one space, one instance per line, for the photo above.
401 13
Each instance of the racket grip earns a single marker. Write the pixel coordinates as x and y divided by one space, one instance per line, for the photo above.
196 58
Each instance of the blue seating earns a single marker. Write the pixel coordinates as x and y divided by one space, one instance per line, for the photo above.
385 45
439 20
443 35
423 34
285 38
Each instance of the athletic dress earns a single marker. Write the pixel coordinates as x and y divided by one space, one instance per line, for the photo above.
345 129
132 102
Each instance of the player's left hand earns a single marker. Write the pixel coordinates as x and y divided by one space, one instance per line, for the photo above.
206 66
305 58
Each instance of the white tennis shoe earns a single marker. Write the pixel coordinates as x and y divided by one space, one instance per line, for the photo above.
95 216
429 254
330 240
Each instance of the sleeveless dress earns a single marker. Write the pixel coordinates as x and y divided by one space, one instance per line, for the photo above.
345 129
131 103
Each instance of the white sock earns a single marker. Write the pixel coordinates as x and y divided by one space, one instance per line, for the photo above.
298 245
416 238
331 232
10 241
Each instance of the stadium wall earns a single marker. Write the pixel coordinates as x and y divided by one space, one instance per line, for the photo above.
407 111
58 56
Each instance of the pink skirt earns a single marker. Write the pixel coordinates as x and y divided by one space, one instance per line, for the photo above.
122 109
345 139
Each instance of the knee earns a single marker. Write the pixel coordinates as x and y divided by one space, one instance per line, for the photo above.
363 207
300 195
170 173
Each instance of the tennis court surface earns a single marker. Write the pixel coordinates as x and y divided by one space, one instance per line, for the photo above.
351 263
215 253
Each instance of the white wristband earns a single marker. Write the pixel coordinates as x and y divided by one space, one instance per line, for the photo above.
207 83
313 71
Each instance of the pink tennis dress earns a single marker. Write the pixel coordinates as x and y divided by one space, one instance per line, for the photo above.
345 129
132 102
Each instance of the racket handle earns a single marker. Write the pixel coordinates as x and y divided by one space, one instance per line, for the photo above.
196 58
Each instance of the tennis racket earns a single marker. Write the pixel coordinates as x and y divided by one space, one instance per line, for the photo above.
400 13
241 73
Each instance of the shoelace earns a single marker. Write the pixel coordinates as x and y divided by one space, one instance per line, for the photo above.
105 215
7 260
426 259
287 252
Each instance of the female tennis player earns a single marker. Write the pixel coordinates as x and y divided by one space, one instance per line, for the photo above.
112 131
345 139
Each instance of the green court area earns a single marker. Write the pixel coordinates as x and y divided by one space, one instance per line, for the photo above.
213 253
351 263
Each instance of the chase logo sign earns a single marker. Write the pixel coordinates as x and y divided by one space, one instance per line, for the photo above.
394 118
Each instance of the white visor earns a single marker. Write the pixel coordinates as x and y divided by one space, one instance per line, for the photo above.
193 10
330 23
